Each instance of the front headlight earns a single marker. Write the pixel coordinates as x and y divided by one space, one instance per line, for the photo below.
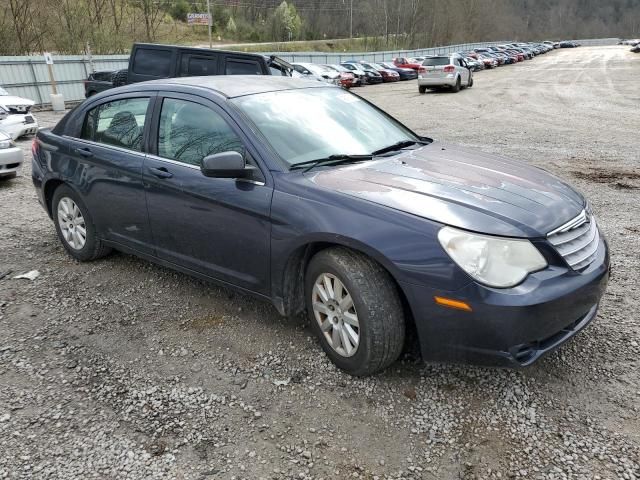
6 144
494 261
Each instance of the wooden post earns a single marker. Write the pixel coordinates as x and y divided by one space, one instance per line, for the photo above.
49 61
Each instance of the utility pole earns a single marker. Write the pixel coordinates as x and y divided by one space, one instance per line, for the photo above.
210 22
351 21
350 17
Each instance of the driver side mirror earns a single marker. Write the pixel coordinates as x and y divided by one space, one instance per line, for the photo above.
225 165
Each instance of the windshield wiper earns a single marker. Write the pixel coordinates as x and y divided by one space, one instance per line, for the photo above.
398 146
330 160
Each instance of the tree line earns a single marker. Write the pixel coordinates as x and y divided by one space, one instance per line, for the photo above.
110 26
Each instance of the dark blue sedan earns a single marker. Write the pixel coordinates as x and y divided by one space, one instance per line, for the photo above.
315 199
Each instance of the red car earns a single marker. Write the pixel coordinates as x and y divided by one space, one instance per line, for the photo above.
387 75
404 62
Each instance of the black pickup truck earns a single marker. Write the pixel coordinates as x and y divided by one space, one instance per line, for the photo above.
152 61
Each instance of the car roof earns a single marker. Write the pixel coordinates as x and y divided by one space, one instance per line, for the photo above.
230 86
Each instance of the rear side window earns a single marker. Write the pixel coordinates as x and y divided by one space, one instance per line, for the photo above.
195 66
119 123
188 132
432 62
241 67
152 62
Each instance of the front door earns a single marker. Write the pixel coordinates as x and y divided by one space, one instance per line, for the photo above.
215 226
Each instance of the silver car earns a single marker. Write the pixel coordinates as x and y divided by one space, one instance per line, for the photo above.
444 71
10 156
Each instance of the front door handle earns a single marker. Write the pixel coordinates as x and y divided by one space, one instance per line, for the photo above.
85 152
161 172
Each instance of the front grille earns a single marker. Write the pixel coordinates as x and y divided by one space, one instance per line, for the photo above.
577 241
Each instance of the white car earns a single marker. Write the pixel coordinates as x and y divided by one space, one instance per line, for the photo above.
319 72
15 116
444 71
10 157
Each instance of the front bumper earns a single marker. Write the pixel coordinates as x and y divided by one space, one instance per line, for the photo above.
510 327
18 125
10 160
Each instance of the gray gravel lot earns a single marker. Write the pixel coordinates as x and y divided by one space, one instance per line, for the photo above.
120 369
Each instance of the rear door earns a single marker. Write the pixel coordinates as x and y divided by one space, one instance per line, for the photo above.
214 226
462 70
109 156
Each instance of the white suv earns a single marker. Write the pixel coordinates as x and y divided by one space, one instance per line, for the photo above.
444 71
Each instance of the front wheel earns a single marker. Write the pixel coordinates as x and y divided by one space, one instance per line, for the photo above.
422 89
470 81
355 310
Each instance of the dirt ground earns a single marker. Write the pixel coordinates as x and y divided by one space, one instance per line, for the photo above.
120 369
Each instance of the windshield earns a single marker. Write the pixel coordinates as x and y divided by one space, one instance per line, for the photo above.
308 124
3 91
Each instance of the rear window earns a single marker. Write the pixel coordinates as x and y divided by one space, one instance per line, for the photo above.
153 62
431 62
199 66
240 67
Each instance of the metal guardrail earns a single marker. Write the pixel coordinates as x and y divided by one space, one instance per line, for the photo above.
27 76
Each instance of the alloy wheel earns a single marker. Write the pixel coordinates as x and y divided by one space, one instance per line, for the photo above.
336 314
72 224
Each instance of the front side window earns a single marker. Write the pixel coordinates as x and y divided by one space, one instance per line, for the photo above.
188 132
119 123
332 122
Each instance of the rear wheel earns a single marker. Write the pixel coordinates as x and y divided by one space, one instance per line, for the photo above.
75 227
355 310
456 88
422 89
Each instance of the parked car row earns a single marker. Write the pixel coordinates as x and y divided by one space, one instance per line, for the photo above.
354 73
455 71
633 43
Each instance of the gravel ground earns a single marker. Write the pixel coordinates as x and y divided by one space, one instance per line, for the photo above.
120 369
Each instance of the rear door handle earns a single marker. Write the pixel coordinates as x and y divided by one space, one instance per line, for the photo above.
85 152
161 172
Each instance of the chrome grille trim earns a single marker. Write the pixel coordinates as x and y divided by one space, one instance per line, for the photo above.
577 240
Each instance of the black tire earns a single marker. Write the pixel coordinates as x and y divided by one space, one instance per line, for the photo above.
8 176
377 303
93 248
422 89
470 81
456 88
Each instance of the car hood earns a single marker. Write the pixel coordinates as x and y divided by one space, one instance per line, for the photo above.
462 188
11 100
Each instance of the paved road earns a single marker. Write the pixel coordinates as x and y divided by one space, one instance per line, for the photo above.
122 369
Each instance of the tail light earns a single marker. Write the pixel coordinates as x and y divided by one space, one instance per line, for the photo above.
422 70
449 69
35 146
